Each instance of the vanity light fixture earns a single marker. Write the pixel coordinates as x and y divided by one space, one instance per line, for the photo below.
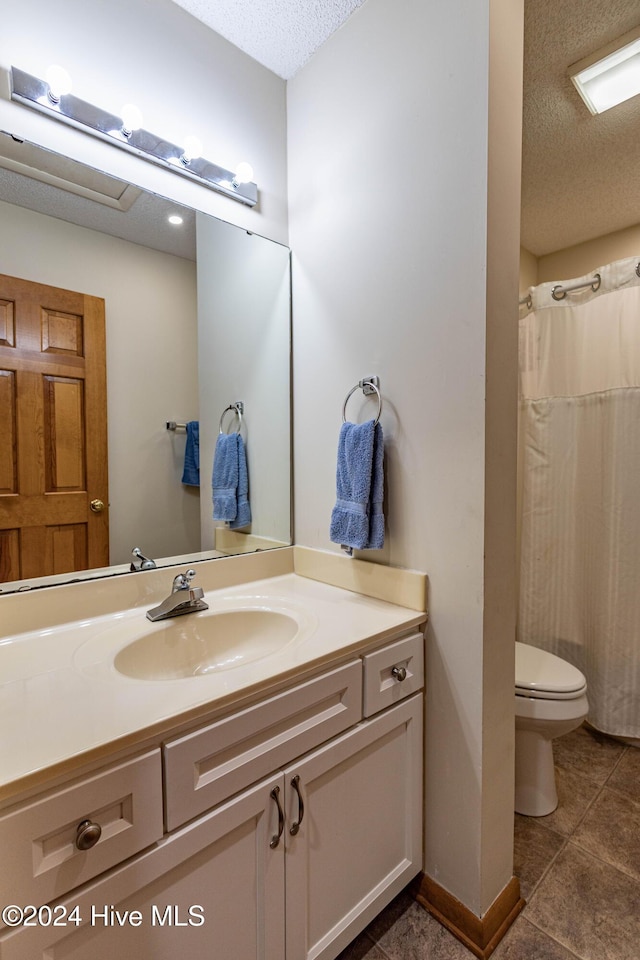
53 98
611 75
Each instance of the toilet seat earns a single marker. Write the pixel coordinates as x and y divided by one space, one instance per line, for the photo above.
542 675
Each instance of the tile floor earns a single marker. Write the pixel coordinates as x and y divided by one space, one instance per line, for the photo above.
579 871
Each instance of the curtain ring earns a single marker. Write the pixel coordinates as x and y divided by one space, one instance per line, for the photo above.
558 296
597 280
638 268
360 385
237 409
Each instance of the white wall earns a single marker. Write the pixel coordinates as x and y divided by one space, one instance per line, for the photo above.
579 260
388 144
151 328
244 285
185 79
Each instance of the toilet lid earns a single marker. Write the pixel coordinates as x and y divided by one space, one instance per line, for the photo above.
542 674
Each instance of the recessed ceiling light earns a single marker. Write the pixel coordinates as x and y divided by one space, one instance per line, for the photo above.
610 76
175 219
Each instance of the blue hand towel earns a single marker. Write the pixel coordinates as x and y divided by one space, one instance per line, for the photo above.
243 516
191 471
225 477
231 481
357 519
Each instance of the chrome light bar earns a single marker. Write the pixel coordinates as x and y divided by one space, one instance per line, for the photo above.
35 93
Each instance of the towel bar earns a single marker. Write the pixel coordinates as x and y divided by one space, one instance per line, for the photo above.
369 386
173 425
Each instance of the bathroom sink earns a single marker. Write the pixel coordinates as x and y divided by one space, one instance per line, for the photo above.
200 644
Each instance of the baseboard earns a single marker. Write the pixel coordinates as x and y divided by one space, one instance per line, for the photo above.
481 935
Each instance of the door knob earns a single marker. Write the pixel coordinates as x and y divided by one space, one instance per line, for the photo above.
97 506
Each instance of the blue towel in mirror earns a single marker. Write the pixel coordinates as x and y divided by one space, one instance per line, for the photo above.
357 519
230 481
191 471
243 515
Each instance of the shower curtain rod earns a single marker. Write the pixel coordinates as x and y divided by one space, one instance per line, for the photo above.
560 290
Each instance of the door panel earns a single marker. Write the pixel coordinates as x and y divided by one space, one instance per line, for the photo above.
359 840
53 430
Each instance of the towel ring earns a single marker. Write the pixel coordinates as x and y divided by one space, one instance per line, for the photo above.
237 408
371 387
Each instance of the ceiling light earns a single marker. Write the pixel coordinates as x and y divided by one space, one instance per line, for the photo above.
611 75
52 98
175 220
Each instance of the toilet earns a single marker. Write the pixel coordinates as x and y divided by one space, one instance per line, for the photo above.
551 699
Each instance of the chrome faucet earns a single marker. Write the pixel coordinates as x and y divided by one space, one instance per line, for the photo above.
140 562
182 599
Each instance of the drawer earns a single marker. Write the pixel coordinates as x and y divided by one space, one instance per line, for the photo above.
209 765
40 859
382 687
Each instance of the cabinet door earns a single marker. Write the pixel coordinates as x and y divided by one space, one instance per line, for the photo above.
214 889
359 839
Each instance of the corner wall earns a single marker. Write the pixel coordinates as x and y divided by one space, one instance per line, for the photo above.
388 144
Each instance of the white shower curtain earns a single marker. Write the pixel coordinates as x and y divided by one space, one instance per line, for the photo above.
579 449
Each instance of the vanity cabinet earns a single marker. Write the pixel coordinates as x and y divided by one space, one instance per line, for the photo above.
291 867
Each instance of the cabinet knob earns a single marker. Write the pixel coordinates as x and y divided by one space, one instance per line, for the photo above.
87 834
97 506
400 673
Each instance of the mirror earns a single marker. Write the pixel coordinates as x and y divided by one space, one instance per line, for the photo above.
197 318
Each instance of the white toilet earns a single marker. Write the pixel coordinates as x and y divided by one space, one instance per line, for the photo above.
551 699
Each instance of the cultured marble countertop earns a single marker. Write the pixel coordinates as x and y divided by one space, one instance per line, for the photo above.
63 701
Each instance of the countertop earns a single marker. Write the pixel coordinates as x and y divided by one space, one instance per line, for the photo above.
62 701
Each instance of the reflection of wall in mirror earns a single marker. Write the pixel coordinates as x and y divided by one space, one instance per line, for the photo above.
151 323
252 367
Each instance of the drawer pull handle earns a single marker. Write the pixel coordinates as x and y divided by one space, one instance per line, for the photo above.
275 795
295 826
87 834
400 673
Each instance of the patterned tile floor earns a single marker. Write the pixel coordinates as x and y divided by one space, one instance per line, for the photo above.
579 871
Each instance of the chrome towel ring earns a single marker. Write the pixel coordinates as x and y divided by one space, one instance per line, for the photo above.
368 385
238 409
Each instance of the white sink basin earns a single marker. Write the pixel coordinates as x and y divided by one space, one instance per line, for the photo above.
204 643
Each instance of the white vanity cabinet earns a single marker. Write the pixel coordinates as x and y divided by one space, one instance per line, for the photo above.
291 867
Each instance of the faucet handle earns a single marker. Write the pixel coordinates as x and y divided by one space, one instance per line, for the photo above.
182 581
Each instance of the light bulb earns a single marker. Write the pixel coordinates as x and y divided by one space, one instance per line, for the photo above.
59 83
192 149
243 174
131 119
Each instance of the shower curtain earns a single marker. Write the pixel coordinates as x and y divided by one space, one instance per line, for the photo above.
579 489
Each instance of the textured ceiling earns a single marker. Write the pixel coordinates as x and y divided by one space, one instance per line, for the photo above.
580 173
280 34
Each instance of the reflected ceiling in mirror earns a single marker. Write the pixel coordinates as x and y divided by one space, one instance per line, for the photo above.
70 227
